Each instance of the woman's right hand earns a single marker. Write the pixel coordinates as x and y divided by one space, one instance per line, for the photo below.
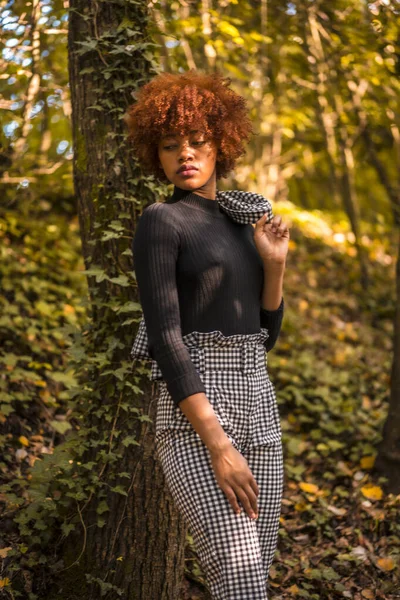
234 477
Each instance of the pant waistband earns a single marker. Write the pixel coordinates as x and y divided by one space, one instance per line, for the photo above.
246 357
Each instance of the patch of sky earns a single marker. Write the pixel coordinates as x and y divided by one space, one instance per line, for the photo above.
45 53
7 54
17 105
7 20
62 146
9 128
53 100
10 26
56 23
172 43
36 109
11 80
46 9
24 183
47 76
43 20
12 42
291 8
26 62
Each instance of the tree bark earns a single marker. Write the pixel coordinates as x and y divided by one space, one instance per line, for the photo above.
388 458
129 540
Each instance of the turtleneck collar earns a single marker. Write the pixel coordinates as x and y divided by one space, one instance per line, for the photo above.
196 201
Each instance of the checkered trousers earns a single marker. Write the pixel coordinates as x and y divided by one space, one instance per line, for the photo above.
235 552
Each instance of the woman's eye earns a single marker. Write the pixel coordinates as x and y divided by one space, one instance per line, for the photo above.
197 142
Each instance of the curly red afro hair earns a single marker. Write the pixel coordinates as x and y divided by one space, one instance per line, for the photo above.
176 102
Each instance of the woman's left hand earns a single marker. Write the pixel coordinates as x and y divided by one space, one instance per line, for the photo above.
272 240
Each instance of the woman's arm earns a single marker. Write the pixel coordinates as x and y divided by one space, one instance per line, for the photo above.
155 250
272 304
271 298
272 240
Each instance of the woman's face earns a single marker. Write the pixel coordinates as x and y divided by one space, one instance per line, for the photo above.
194 151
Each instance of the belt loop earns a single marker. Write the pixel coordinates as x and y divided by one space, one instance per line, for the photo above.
197 355
249 358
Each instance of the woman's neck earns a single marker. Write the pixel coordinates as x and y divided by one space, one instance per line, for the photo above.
194 199
179 193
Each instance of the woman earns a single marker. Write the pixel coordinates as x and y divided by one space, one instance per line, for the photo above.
211 294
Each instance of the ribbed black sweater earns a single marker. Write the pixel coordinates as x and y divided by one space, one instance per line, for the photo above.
196 270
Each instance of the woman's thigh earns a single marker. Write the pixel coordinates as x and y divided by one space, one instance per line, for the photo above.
227 544
266 464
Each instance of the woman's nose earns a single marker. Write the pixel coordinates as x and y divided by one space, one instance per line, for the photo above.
185 150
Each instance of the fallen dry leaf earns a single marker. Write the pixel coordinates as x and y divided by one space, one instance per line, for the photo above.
308 487
337 511
372 492
386 564
293 589
367 462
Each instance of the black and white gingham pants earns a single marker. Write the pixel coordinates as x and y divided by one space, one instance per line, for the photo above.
235 552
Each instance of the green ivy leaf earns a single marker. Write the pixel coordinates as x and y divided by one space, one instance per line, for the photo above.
119 490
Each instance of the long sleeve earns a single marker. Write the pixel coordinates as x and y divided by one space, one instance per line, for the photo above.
155 251
272 320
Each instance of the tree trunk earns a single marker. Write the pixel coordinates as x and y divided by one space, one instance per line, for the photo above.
128 540
388 459
350 202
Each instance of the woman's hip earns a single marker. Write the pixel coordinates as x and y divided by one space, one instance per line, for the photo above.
235 376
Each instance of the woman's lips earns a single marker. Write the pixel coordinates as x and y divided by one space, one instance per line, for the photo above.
187 172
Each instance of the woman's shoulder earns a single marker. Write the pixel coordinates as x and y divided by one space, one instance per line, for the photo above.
157 217
160 211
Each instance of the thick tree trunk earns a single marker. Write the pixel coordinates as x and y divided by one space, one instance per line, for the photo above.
388 459
128 540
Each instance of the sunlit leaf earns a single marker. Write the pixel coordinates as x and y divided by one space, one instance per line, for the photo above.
386 563
372 492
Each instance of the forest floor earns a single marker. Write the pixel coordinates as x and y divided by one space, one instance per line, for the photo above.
339 529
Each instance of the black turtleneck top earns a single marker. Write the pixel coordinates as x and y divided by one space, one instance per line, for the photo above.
196 270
